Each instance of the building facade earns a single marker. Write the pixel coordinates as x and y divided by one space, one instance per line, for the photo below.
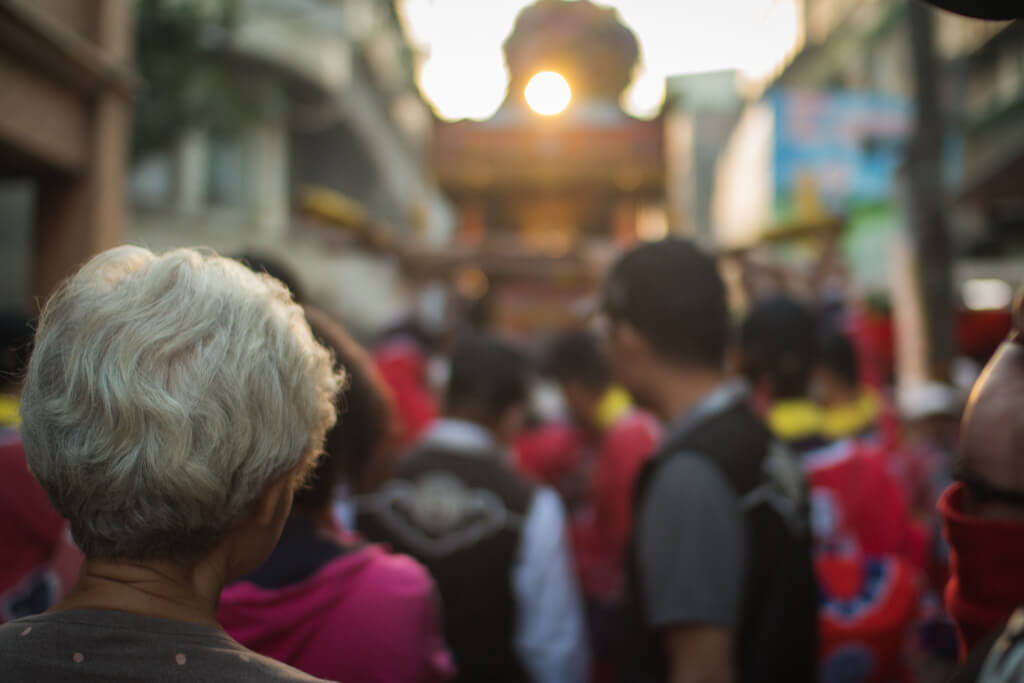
303 106
544 198
66 104
861 50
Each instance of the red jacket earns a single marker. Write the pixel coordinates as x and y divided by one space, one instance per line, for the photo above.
857 504
601 531
40 562
555 454
595 479
403 368
867 561
868 608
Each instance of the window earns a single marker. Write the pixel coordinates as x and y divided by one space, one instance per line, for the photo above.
226 169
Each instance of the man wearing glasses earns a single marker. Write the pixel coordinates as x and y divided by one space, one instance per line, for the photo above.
721 584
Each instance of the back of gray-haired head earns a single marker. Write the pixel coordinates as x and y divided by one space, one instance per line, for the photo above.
164 394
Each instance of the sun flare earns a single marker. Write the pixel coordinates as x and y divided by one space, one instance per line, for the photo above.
548 93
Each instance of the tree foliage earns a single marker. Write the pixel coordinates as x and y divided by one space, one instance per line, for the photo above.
188 80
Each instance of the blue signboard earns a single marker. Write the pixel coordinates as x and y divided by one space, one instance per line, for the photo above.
846 145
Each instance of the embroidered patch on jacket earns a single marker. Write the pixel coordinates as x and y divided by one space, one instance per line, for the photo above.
438 514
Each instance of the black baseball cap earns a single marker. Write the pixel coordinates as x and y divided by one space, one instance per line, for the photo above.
672 293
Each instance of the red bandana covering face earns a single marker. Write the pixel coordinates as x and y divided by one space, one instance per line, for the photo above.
986 565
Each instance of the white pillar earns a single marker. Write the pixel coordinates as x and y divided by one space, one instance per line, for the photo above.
266 145
192 171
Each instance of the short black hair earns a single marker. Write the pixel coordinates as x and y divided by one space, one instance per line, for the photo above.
779 342
260 263
672 293
837 353
576 355
365 421
16 336
488 376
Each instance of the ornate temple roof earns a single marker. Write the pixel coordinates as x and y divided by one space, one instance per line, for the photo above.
593 144
585 43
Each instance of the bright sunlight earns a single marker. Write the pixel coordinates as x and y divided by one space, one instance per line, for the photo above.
548 93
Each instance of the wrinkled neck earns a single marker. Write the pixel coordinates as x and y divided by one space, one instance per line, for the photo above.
161 589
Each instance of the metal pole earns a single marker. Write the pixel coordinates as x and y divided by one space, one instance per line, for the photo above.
930 231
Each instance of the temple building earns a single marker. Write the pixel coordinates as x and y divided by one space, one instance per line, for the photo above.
560 175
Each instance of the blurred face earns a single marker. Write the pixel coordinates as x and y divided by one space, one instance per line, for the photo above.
511 425
581 401
828 388
630 358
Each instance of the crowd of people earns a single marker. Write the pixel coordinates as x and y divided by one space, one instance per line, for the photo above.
205 477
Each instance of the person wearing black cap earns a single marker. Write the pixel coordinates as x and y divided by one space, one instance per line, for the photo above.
721 582
779 350
40 562
864 543
850 409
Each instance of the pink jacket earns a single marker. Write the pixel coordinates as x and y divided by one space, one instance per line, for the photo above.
364 617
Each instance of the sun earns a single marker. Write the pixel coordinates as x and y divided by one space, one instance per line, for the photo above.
548 93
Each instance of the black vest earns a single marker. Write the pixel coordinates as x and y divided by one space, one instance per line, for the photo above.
461 515
777 637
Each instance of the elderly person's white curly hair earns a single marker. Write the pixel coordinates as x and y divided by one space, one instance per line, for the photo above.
164 394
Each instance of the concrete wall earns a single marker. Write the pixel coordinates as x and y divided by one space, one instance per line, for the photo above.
744 186
364 290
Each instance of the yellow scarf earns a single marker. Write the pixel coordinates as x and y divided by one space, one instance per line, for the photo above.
795 419
852 418
615 403
9 411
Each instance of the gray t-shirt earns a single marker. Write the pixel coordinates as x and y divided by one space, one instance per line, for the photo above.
691 543
110 646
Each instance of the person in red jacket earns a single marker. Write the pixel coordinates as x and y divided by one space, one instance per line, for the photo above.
859 516
621 438
324 601
852 408
857 417
401 357
555 453
41 561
